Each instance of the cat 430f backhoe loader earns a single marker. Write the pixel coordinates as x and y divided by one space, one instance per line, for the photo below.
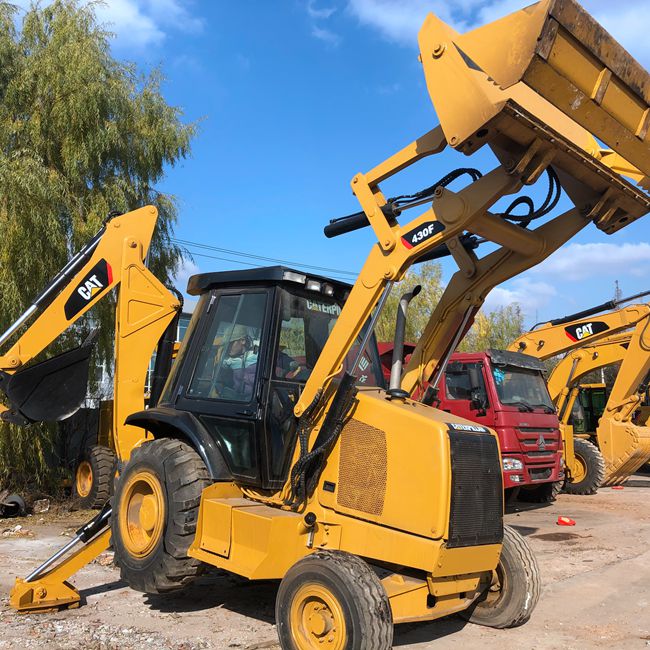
275 457
619 445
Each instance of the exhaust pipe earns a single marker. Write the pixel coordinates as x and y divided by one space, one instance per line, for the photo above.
394 388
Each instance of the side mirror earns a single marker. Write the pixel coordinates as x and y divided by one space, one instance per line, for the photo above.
478 397
478 401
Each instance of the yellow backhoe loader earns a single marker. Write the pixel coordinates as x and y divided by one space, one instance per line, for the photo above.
614 430
273 452
621 446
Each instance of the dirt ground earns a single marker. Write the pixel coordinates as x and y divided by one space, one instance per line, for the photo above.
596 590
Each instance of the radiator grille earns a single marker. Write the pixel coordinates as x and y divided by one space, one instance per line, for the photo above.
362 468
476 514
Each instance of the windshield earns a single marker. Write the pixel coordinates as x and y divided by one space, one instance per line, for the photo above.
521 387
306 322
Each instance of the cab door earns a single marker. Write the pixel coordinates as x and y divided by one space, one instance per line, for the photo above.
465 392
221 383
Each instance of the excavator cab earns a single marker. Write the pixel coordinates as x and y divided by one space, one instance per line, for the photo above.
251 345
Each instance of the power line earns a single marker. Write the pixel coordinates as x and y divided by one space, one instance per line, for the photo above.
185 242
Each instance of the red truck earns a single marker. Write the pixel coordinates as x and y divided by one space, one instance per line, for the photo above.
507 392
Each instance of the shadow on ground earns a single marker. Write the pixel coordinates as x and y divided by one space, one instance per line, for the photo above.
218 589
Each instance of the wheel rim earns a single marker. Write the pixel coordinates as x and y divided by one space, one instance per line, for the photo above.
498 588
84 478
317 619
142 513
579 470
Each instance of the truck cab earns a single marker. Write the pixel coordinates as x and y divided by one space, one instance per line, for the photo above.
507 392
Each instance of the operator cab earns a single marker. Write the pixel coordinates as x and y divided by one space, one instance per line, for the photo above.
253 340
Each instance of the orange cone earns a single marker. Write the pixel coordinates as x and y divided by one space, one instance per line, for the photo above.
565 521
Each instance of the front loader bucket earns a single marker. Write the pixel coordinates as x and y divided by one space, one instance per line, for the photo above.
548 83
48 391
625 448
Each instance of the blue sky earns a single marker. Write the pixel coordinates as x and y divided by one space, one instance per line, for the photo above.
296 96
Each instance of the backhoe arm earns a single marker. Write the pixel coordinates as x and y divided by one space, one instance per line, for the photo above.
551 340
570 370
145 307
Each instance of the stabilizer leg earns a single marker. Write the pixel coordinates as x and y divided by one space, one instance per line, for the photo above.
47 589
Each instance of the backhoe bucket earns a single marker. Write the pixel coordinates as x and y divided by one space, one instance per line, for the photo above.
548 83
48 391
625 448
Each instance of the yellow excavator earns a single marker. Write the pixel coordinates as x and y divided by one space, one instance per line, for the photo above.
618 446
273 451
623 441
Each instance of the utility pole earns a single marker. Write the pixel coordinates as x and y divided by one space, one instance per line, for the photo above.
618 294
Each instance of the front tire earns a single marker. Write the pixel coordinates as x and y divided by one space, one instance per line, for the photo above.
544 493
331 599
515 589
590 469
155 511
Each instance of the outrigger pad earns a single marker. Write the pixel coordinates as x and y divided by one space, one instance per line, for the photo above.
49 391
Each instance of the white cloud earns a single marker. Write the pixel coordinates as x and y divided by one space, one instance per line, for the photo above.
582 261
319 12
325 35
138 24
531 295
400 20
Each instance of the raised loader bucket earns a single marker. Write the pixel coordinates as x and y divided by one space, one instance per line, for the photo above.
548 83
48 391
625 447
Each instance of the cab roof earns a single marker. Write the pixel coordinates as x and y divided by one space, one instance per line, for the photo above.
268 275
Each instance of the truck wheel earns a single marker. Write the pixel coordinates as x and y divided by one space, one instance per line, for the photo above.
590 469
94 477
331 599
155 511
516 585
544 493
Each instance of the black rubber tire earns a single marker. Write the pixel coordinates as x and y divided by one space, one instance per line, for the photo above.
595 466
103 463
510 495
544 493
183 476
13 506
521 586
356 587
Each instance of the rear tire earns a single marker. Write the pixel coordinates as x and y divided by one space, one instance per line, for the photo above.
592 468
155 512
94 477
544 493
333 599
511 600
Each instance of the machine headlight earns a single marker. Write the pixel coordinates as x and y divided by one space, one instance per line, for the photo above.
512 463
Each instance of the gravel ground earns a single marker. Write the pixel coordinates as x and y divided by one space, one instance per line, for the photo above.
596 593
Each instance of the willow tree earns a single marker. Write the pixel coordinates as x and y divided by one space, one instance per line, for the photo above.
81 134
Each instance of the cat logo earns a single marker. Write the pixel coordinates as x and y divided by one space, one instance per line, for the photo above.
96 281
581 331
90 288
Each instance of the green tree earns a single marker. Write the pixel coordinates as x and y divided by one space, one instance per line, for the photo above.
429 276
494 329
81 134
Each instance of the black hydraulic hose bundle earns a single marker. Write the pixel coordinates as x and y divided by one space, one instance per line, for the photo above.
307 469
396 204
585 313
